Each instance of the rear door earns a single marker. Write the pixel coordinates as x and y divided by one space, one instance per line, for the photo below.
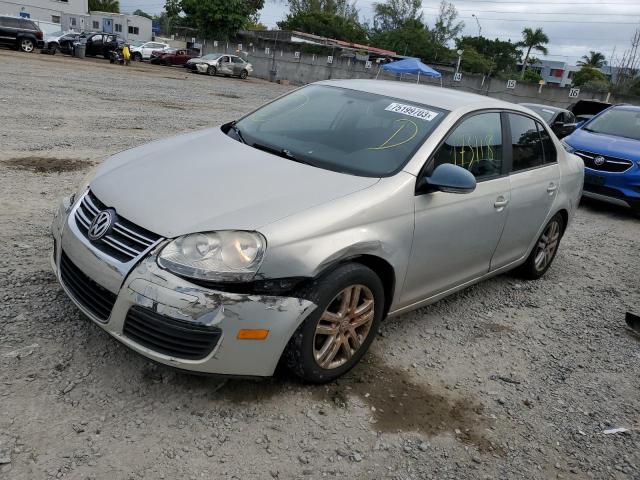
534 179
9 29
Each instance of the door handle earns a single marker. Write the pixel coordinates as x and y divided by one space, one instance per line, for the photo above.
500 202
552 187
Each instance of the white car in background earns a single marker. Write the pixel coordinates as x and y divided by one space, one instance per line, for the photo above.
142 50
222 64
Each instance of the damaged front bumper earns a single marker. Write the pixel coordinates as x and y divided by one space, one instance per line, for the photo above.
171 320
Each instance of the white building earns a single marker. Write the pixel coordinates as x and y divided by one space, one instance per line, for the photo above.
75 15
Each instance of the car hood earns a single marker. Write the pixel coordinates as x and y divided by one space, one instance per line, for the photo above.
205 181
604 144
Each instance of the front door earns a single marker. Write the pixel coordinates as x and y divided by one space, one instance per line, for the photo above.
225 66
535 179
455 235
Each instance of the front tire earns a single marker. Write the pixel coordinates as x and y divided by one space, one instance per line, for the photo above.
333 339
211 70
244 74
544 251
27 45
137 57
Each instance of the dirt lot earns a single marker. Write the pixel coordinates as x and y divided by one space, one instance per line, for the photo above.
508 379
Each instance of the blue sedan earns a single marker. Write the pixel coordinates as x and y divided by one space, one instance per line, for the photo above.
609 145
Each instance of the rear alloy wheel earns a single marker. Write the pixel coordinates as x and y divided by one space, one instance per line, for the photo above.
211 70
335 336
244 74
27 45
545 249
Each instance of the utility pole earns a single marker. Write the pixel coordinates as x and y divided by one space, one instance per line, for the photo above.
478 22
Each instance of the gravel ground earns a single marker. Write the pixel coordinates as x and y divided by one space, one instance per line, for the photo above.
508 379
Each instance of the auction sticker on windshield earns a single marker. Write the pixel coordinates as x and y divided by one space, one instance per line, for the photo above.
412 111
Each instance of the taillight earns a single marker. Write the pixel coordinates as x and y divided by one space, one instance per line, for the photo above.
39 35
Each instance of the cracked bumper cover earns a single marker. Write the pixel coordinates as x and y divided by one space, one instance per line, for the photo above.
147 285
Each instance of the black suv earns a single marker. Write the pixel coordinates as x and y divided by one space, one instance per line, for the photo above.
21 33
101 43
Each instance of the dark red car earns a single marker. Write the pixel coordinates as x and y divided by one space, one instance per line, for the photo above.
172 56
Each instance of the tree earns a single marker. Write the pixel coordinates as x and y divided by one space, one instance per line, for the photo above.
504 55
586 75
594 59
325 25
396 13
475 62
532 76
532 40
141 13
112 6
412 38
219 19
327 18
447 27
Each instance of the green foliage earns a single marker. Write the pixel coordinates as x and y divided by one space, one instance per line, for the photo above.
326 25
141 13
112 6
531 76
411 39
588 75
394 14
594 59
503 55
219 19
340 8
447 27
474 62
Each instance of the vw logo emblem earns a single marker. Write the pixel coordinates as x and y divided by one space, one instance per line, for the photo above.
599 161
100 225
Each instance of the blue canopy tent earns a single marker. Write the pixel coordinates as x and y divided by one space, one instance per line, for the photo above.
412 66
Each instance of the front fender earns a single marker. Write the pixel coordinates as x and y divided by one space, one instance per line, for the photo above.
377 221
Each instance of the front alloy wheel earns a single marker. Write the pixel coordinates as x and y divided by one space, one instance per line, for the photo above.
335 336
343 327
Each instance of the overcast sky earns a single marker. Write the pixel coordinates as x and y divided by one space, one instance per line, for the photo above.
574 26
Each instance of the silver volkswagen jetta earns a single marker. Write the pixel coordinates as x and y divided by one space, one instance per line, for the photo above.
291 233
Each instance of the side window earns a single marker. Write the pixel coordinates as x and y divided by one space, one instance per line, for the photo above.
549 149
475 144
527 145
571 118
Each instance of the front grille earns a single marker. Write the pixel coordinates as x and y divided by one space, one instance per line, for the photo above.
610 164
95 298
169 336
124 242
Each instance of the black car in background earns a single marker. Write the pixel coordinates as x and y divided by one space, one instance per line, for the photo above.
20 33
561 120
100 44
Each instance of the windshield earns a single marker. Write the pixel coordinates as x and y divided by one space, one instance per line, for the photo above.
340 129
211 56
546 113
618 122
137 43
57 33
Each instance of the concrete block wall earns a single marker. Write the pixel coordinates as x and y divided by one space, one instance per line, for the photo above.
281 63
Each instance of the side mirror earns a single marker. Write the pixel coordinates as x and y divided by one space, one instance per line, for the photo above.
448 178
564 129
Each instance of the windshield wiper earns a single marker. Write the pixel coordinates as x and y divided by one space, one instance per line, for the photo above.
281 152
237 131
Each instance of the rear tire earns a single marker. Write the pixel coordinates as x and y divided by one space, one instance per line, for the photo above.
26 45
333 338
544 251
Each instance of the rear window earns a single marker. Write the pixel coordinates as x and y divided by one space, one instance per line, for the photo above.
341 129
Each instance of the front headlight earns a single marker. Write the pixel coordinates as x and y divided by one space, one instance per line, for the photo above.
230 255
567 147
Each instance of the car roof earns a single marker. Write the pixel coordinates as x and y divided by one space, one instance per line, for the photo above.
540 105
624 106
439 97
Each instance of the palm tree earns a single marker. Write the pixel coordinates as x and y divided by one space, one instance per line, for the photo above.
112 6
532 40
594 60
